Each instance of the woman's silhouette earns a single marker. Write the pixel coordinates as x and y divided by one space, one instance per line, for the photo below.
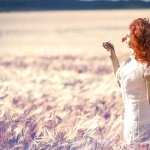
133 78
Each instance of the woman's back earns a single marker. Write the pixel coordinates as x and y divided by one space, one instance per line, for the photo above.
136 115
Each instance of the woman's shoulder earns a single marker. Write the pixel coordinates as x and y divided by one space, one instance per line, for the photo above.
119 70
124 63
126 66
127 61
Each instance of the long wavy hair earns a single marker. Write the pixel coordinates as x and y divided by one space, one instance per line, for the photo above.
140 39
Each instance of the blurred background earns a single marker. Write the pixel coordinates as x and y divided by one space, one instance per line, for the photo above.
57 87
66 26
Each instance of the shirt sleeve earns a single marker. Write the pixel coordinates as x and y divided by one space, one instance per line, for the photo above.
119 72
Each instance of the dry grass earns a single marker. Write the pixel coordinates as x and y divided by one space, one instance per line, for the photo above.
57 88
58 102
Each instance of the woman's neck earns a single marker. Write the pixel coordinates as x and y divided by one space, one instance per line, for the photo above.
132 55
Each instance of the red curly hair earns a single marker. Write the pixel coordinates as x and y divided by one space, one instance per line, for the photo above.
140 39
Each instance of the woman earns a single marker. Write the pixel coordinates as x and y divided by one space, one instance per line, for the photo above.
133 78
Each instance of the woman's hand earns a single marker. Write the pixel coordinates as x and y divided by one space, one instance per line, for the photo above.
108 46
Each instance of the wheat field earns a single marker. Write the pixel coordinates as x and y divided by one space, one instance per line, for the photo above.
57 87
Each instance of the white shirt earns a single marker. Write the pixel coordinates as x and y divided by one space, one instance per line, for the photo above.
136 117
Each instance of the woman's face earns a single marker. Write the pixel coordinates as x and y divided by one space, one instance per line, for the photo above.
127 39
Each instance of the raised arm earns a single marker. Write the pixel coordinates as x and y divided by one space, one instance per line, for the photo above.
115 61
109 47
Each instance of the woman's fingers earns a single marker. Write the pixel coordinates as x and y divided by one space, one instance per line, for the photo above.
109 46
